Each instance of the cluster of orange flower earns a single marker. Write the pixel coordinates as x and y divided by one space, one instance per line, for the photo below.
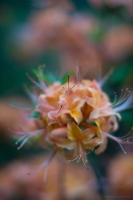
75 118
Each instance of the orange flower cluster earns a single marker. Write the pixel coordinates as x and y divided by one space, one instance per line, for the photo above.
76 115
76 118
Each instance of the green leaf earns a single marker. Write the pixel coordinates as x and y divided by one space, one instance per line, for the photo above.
91 123
49 78
20 106
35 115
35 72
46 78
65 77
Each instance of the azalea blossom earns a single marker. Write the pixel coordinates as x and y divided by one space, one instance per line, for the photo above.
76 117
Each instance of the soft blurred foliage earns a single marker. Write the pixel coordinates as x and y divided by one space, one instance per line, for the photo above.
59 33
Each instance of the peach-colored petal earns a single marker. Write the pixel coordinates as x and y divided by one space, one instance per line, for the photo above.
53 114
102 146
78 103
70 145
59 132
94 114
77 115
89 133
91 101
109 112
73 131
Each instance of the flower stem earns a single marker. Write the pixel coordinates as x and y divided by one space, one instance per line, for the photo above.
100 184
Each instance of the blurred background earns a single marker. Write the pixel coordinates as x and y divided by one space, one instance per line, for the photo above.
60 33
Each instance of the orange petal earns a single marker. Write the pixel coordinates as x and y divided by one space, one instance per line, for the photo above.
78 103
73 131
109 113
86 110
60 132
94 114
102 147
65 143
77 115
88 134
91 101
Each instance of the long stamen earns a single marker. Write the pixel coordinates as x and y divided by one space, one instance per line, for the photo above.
128 135
106 77
25 140
35 92
41 80
20 106
26 136
126 105
124 140
45 174
74 159
88 151
43 144
122 98
84 161
115 100
16 132
84 71
121 94
122 148
32 80
79 158
21 138
44 164
78 73
31 95
121 140
81 155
